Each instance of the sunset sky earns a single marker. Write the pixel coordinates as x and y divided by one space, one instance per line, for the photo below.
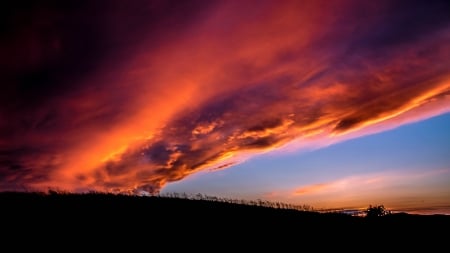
327 103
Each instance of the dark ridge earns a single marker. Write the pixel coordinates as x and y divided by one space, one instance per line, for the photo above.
156 219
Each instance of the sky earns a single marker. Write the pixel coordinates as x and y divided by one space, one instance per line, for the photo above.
405 169
328 103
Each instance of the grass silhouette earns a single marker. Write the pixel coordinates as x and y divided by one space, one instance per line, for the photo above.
157 218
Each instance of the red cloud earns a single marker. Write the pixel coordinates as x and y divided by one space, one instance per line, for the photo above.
199 86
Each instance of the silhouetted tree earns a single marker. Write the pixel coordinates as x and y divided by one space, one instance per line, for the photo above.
376 211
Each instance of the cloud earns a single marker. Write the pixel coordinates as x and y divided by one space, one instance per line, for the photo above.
397 189
130 96
311 189
355 183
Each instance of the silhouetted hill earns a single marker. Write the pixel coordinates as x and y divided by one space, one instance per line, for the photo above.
32 215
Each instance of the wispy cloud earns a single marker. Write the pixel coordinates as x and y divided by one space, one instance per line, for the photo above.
378 179
313 188
354 183
394 188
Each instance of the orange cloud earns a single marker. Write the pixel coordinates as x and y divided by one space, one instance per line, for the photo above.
206 85
396 189
311 189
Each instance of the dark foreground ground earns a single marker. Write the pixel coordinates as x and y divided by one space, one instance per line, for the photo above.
74 220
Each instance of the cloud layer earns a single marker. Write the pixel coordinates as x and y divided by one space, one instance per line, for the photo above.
129 96
359 191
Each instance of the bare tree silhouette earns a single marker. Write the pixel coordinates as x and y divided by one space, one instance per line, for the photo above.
376 211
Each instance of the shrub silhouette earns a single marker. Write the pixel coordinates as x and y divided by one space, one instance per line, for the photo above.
376 211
